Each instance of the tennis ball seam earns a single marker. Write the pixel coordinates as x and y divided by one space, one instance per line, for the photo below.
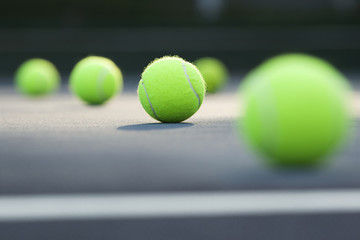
192 88
100 82
264 99
147 96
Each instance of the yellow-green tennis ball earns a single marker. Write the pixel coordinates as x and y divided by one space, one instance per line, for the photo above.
171 89
295 110
37 77
214 73
95 80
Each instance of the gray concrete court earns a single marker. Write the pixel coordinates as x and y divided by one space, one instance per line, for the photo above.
57 145
60 145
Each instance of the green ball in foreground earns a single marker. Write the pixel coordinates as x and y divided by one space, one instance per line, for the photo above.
214 73
295 110
171 90
95 80
37 77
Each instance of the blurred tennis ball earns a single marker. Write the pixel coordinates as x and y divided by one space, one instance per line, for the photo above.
296 110
214 73
95 80
171 89
37 77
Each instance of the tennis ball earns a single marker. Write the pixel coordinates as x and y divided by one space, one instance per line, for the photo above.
171 89
295 110
95 80
36 77
214 73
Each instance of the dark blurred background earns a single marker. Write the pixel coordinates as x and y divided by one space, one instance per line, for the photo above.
133 32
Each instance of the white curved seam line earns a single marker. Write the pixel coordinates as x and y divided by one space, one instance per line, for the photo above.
147 96
187 77
268 111
100 83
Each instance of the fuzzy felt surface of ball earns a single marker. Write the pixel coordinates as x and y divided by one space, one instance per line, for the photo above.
171 89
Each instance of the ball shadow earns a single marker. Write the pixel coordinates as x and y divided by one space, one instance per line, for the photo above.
154 126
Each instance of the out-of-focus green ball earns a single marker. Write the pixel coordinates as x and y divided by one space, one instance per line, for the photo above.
37 77
95 80
214 73
295 110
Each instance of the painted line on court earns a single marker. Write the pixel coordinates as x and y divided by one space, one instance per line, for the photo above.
172 205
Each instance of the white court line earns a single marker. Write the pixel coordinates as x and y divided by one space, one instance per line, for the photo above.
211 204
